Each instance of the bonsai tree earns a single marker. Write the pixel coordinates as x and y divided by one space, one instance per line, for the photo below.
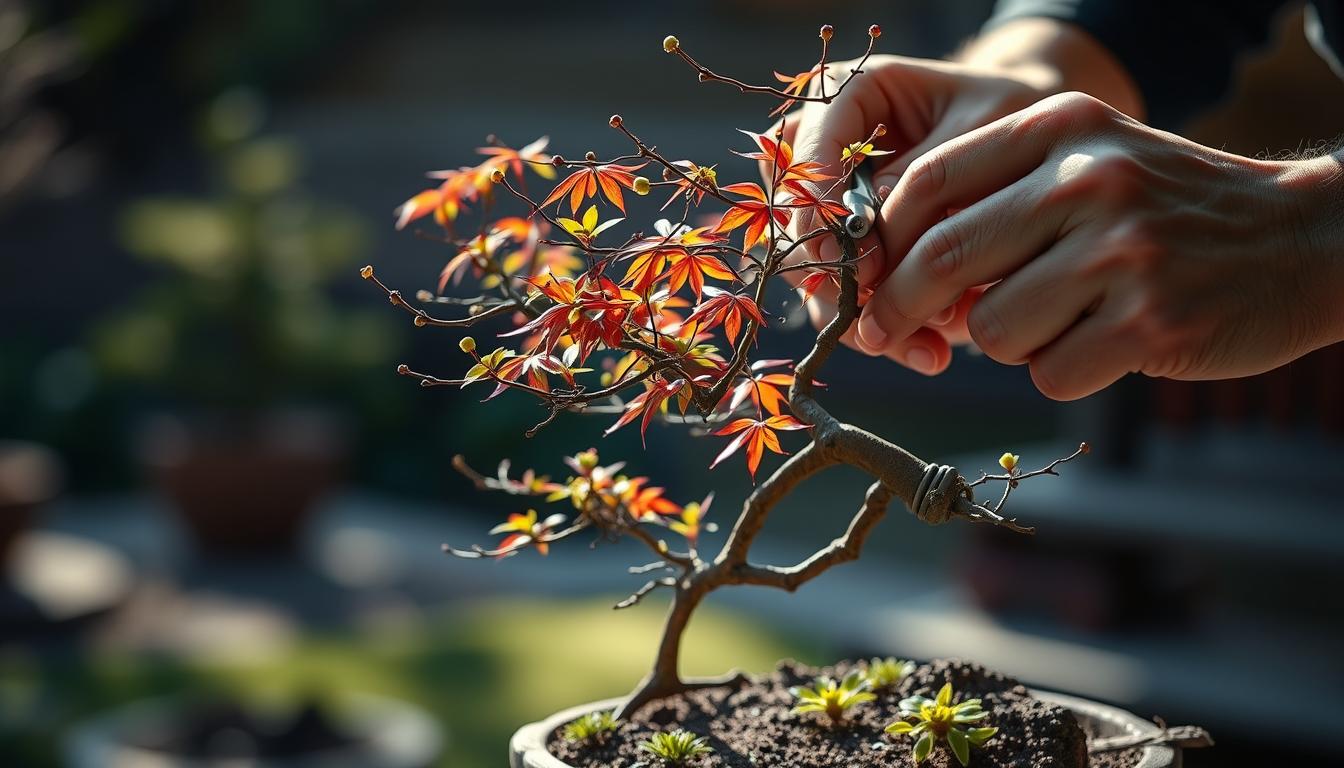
663 326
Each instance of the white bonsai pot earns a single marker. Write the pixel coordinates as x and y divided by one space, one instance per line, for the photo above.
527 749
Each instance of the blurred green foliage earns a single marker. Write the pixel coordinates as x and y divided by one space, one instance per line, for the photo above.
480 672
241 317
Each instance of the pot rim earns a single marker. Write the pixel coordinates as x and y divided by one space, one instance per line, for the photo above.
527 748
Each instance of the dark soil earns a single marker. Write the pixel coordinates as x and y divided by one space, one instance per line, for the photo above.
749 726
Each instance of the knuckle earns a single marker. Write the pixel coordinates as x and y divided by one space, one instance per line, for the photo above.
1113 180
1130 250
1084 110
1066 114
941 251
1160 326
986 327
927 174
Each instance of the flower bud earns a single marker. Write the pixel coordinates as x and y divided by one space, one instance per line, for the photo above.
557 161
671 43
826 32
641 185
497 175
1009 461
615 121
467 344
420 321
874 31
587 459
403 369
366 272
606 378
880 130
590 156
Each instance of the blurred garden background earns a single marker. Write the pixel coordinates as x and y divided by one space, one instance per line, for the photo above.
218 500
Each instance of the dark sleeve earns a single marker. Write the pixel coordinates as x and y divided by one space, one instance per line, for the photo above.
1181 53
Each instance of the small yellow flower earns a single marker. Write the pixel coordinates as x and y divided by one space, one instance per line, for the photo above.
1009 461
366 272
586 230
860 150
641 185
671 43
467 344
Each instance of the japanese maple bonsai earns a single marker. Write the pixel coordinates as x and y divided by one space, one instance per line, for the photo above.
653 309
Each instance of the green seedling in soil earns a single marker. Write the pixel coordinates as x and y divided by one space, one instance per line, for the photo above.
675 747
594 726
887 673
939 718
833 698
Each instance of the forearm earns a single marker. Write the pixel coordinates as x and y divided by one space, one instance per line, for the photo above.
1056 56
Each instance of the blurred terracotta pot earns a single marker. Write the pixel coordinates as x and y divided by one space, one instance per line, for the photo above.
30 476
245 484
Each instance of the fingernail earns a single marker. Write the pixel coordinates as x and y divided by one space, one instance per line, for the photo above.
871 334
921 359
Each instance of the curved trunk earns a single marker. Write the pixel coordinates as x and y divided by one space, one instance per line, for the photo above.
665 679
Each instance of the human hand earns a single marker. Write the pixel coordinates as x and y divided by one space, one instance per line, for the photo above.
1109 247
923 103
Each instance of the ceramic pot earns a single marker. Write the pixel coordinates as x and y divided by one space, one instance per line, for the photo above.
527 749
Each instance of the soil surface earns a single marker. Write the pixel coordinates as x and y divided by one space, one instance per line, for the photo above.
749 726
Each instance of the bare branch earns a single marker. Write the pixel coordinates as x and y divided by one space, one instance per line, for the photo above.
644 590
843 549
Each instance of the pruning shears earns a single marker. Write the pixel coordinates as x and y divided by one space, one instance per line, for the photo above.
861 200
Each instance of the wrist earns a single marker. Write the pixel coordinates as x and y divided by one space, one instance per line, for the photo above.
1313 191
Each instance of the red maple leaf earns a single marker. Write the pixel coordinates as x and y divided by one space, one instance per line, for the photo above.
757 436
649 403
753 212
592 310
779 155
795 86
586 182
831 212
727 309
533 154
